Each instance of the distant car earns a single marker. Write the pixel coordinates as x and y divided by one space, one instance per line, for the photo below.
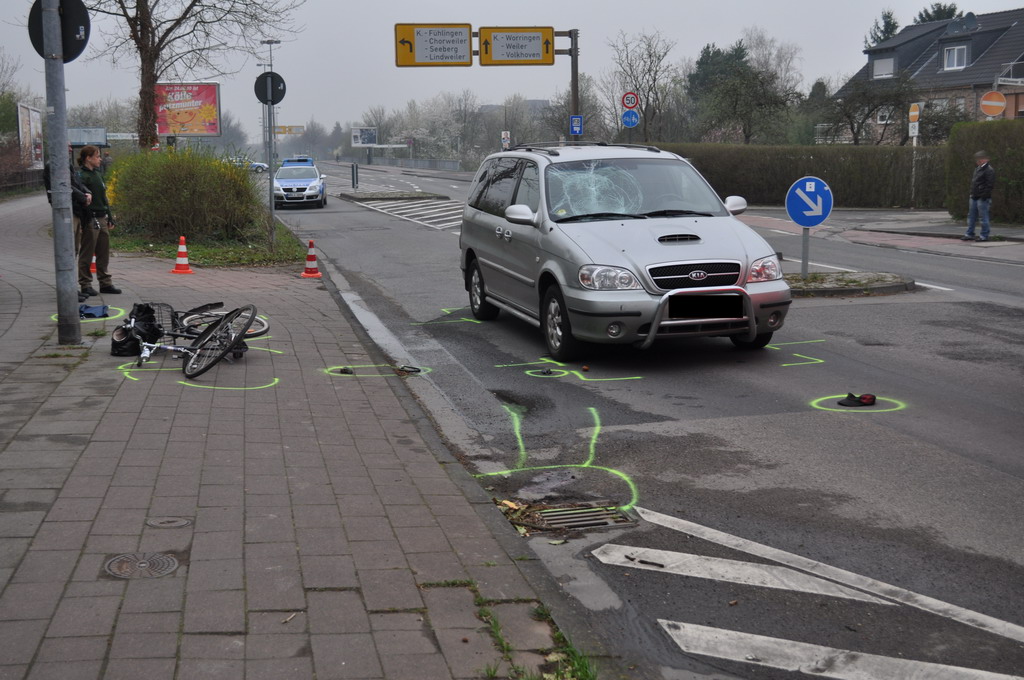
615 244
300 184
254 166
297 160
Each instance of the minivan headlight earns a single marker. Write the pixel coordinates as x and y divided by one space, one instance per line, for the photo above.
765 269
601 277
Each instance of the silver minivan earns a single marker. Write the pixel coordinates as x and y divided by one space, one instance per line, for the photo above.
615 244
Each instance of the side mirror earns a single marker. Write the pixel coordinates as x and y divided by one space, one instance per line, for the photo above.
325 177
736 205
520 214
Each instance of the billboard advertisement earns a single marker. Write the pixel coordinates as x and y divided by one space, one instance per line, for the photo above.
364 136
188 109
30 136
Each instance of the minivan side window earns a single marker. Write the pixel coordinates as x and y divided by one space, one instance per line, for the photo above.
481 184
528 193
497 196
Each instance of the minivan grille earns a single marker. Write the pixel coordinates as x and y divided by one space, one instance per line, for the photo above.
673 276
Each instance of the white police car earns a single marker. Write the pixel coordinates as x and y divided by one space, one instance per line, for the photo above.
300 185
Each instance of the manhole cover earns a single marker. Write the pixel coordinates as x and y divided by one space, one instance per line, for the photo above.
583 517
168 522
141 565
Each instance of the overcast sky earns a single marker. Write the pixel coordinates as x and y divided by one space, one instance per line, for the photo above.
343 59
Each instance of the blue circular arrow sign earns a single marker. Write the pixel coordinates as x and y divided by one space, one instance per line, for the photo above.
809 201
630 118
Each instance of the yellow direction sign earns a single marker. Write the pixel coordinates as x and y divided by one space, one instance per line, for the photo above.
433 45
289 129
517 46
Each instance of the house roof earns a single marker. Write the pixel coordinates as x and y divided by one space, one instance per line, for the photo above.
998 39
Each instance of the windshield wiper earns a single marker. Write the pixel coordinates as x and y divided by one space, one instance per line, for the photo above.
672 212
600 216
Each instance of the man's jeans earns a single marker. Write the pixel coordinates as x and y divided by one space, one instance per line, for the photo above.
979 206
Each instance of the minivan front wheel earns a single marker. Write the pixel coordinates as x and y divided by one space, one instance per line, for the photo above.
478 304
758 342
554 323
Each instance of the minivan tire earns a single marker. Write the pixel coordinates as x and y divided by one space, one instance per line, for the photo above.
758 342
554 324
478 304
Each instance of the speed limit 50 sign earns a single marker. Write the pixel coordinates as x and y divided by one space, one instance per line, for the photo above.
630 100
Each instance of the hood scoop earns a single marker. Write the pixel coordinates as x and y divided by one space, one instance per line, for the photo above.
678 238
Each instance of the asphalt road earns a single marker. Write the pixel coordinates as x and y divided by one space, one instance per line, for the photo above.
919 500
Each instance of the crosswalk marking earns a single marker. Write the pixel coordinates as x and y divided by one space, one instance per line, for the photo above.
825 662
436 214
923 602
732 571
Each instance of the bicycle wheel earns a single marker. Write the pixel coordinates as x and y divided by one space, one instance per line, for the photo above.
214 343
196 323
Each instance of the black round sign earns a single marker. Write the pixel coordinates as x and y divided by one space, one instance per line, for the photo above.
276 91
74 28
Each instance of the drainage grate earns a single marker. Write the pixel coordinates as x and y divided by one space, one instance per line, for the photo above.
583 517
141 565
168 522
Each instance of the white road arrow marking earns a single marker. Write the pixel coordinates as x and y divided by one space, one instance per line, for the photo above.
732 571
879 588
815 208
823 662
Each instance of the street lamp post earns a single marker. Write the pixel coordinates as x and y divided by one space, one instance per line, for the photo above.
270 140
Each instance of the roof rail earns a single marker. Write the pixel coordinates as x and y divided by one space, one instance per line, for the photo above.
543 146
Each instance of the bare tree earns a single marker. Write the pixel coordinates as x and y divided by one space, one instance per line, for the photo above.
187 38
768 55
8 70
642 60
116 115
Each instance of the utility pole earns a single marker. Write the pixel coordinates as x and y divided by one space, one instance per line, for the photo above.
270 143
69 327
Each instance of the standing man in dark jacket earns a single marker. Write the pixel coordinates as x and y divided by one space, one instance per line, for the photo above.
982 183
80 200
95 226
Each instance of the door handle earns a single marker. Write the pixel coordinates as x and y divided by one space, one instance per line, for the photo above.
507 235
498 232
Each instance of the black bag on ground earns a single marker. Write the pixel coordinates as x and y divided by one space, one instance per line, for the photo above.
125 343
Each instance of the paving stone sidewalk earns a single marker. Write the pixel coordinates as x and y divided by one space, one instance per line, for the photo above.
317 529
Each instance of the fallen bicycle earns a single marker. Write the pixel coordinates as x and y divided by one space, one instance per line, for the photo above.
213 334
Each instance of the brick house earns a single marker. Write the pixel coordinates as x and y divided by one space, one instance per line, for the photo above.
952 62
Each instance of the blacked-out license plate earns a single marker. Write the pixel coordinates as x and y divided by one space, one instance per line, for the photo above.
705 307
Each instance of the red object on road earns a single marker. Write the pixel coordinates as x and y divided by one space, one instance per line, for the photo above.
311 269
181 264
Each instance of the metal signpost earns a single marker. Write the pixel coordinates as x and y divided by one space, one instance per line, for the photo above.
270 89
808 203
59 33
576 125
914 130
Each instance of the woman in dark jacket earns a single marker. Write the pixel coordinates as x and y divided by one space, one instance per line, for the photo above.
96 224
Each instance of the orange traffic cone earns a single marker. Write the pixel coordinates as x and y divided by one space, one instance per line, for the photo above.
181 264
311 270
92 267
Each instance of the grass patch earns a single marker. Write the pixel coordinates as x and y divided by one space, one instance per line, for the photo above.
98 333
250 252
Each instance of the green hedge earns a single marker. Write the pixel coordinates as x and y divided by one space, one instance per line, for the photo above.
186 193
860 176
1004 140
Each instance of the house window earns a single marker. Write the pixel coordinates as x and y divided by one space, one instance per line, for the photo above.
956 58
884 115
882 68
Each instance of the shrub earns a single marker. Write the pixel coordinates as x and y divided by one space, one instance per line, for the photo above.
859 176
185 193
1004 141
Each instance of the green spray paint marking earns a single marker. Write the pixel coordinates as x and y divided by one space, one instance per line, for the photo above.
215 387
896 405
560 372
130 367
810 360
447 311
109 317
337 371
516 417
